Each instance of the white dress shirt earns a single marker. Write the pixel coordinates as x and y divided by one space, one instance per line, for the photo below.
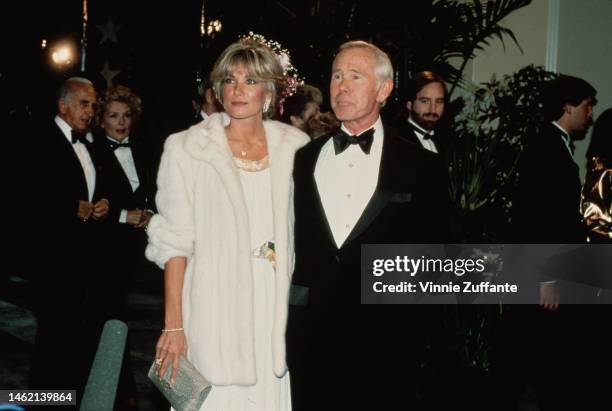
420 132
347 181
83 155
126 159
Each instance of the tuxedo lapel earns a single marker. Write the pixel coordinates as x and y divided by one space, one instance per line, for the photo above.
69 161
139 163
410 135
312 191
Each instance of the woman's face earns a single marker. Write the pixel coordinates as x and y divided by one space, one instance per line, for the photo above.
117 120
243 96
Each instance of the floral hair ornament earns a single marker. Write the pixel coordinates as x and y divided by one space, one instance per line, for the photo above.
292 76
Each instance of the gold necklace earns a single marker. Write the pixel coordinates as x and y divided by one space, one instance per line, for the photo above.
243 153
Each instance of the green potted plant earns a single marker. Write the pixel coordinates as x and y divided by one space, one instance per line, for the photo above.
488 138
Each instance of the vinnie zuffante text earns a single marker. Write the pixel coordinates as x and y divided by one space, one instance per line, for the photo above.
456 267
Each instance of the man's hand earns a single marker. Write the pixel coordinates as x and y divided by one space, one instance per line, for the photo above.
134 217
86 209
549 296
101 208
138 218
144 221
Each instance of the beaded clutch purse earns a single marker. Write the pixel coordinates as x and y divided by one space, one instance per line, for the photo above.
189 389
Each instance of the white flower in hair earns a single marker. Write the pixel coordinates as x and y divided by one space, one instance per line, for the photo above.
284 60
292 76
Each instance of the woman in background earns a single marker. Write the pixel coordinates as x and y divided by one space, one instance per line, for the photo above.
130 188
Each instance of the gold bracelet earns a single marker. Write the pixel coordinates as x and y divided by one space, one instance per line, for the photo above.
168 330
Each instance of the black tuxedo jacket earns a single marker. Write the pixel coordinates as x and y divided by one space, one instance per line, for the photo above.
547 198
66 257
58 183
120 190
334 344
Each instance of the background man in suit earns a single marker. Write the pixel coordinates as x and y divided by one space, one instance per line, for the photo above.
68 196
548 175
204 102
554 347
362 184
425 105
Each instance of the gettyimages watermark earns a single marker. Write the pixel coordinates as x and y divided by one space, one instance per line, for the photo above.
485 273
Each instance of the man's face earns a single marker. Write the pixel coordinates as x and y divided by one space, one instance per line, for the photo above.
354 90
78 107
428 106
581 116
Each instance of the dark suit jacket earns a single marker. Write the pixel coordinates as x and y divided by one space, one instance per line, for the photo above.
58 184
66 257
336 346
546 204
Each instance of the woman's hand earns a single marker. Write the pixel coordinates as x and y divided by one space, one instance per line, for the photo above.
170 346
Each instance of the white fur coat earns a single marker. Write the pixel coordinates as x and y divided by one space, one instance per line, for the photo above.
203 216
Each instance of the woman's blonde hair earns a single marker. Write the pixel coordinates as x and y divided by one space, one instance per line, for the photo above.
259 61
121 94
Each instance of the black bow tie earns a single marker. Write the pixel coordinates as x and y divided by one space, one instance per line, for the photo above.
78 136
114 145
427 135
342 140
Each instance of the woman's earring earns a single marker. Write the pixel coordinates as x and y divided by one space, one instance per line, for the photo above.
266 106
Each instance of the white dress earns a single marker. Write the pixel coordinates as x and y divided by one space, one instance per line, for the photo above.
269 393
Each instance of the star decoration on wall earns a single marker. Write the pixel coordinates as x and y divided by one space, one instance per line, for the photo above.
108 74
109 31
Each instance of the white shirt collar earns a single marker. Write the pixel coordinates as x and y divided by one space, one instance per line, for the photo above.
67 130
377 126
565 136
125 140
418 128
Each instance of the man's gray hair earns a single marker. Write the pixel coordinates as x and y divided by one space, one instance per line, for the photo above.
65 89
383 69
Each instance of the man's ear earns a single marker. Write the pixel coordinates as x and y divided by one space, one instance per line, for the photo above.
62 107
409 106
384 91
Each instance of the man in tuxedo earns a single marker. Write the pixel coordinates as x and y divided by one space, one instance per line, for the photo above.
362 184
425 105
553 345
548 176
67 204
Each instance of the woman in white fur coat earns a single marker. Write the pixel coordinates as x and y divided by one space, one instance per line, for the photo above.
224 236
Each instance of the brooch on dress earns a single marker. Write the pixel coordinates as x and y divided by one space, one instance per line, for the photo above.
266 250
